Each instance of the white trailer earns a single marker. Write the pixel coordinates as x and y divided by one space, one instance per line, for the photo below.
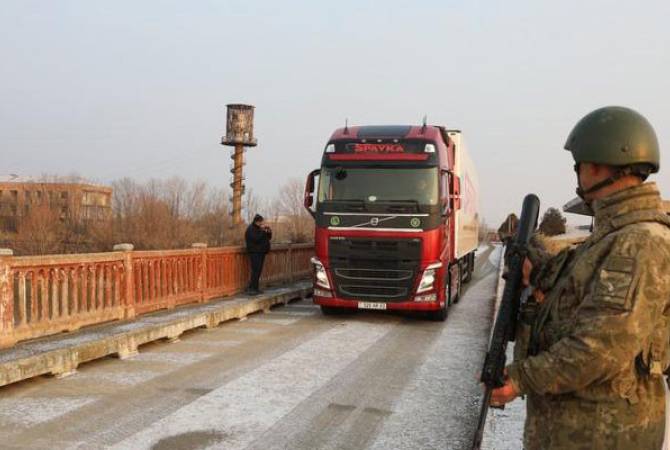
466 216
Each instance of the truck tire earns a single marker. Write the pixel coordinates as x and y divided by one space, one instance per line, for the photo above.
468 262
450 299
459 279
464 269
441 314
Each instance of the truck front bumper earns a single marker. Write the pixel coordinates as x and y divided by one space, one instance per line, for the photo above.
397 306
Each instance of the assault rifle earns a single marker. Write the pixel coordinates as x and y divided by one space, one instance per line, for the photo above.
505 324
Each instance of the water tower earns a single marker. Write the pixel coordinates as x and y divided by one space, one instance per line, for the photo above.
239 134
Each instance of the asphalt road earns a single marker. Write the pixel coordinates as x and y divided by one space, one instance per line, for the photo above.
287 379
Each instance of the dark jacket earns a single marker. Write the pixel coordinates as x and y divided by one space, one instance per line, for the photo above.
257 239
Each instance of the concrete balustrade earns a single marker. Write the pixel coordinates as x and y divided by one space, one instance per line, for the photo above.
44 295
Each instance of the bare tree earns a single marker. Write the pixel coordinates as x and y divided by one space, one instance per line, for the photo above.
214 224
40 232
253 205
483 232
157 214
291 203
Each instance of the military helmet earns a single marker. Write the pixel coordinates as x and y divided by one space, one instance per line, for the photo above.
615 136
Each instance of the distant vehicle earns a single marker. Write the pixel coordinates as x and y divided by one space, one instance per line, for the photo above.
397 220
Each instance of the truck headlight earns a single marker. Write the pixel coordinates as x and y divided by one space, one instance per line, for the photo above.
320 274
428 279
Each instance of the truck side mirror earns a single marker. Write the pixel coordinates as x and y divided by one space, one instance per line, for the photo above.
444 193
445 208
309 191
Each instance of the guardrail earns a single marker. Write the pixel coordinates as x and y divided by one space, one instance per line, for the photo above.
44 295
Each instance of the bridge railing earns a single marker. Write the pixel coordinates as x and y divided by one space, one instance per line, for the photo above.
44 295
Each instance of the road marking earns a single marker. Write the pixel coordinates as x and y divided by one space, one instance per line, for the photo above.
249 330
302 306
214 343
182 358
294 313
27 411
126 378
247 406
273 320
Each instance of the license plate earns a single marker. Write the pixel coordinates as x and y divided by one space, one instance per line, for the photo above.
371 305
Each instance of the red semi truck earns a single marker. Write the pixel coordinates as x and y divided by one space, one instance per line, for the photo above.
396 212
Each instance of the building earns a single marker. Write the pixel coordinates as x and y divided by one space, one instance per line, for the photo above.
19 196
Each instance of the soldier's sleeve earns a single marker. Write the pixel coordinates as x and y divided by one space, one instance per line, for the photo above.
537 252
544 277
629 292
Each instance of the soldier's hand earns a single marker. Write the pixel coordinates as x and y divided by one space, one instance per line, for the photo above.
504 394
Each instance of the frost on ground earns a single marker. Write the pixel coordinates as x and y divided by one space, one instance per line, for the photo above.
27 411
445 384
504 427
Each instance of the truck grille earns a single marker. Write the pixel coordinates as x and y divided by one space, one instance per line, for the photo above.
374 269
374 274
382 293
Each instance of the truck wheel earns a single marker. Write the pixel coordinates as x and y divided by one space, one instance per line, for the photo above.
441 314
472 265
467 275
459 286
450 300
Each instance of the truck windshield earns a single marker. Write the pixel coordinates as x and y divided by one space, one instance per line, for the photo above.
416 186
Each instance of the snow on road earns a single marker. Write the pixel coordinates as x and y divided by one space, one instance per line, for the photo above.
252 403
445 389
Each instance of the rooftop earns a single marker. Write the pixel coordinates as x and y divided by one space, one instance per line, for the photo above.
14 178
55 181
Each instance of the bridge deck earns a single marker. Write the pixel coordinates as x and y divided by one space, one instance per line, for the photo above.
60 355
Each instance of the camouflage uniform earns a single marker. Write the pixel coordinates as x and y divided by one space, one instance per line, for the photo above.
528 309
600 339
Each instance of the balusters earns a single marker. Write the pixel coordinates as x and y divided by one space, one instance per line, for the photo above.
53 293
64 292
23 318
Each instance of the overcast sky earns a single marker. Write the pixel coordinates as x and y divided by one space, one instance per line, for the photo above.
138 88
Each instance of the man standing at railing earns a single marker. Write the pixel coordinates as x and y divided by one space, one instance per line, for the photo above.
257 238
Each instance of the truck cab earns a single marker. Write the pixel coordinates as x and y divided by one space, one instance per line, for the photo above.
387 202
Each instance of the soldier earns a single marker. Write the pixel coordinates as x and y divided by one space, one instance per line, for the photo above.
599 340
